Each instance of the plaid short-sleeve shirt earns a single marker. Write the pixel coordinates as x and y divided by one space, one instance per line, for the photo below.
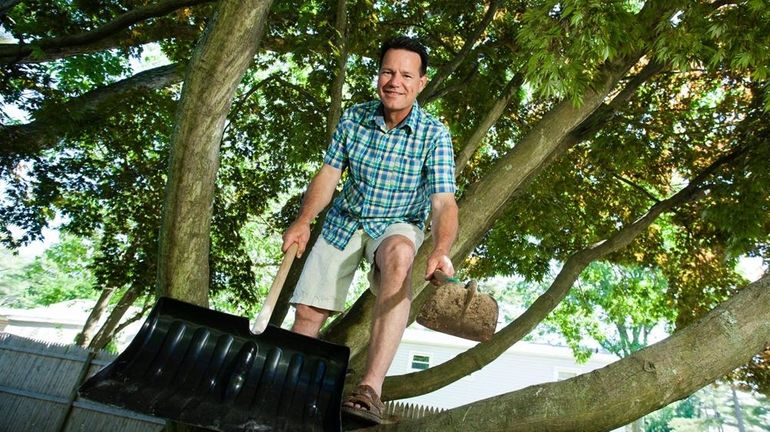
391 173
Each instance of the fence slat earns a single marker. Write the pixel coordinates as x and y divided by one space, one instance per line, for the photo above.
38 390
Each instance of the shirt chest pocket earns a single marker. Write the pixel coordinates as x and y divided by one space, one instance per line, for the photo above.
401 173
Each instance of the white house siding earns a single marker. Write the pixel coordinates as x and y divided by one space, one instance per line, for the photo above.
522 365
59 323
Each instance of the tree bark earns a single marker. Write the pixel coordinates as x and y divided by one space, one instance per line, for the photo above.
84 338
649 379
25 53
737 410
107 331
219 61
335 107
494 114
54 122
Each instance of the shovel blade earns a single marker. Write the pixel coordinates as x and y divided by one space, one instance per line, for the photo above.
202 367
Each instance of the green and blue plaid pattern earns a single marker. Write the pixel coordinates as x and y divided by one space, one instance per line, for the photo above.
391 173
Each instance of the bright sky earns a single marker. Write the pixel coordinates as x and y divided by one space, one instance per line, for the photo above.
751 268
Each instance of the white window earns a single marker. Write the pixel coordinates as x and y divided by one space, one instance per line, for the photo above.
561 374
419 361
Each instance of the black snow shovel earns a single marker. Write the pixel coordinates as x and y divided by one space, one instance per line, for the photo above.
215 370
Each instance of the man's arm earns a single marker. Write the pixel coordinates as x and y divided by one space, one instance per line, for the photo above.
444 231
319 193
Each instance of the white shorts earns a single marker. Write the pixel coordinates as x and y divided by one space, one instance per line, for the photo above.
328 271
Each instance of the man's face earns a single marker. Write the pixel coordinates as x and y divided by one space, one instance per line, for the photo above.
399 81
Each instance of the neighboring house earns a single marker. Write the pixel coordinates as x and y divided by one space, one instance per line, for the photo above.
59 322
522 365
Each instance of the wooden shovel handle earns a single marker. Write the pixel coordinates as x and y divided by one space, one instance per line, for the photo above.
259 323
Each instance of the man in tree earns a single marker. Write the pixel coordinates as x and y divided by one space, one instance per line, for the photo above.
400 164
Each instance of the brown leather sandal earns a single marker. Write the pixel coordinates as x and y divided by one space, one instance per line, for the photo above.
371 407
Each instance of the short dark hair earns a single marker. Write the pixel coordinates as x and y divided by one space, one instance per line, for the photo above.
409 44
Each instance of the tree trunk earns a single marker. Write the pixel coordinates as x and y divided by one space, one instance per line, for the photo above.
89 328
737 410
489 120
108 328
219 61
650 378
335 107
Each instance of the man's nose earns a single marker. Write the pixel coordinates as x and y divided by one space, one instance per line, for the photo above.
395 80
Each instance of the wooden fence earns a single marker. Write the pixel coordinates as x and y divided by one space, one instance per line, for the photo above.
38 392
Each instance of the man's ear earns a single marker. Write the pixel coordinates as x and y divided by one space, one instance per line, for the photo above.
423 82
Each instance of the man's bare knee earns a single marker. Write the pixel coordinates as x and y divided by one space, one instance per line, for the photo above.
396 254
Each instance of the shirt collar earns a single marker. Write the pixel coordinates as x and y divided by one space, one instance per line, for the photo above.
409 124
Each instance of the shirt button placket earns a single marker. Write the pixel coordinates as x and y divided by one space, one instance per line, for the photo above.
387 152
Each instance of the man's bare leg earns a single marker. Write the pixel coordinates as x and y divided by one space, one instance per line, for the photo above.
308 320
391 309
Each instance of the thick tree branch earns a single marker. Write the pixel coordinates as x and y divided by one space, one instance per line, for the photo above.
635 186
450 67
455 85
599 119
89 328
651 378
53 122
107 331
151 33
134 318
414 384
494 113
25 52
341 31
